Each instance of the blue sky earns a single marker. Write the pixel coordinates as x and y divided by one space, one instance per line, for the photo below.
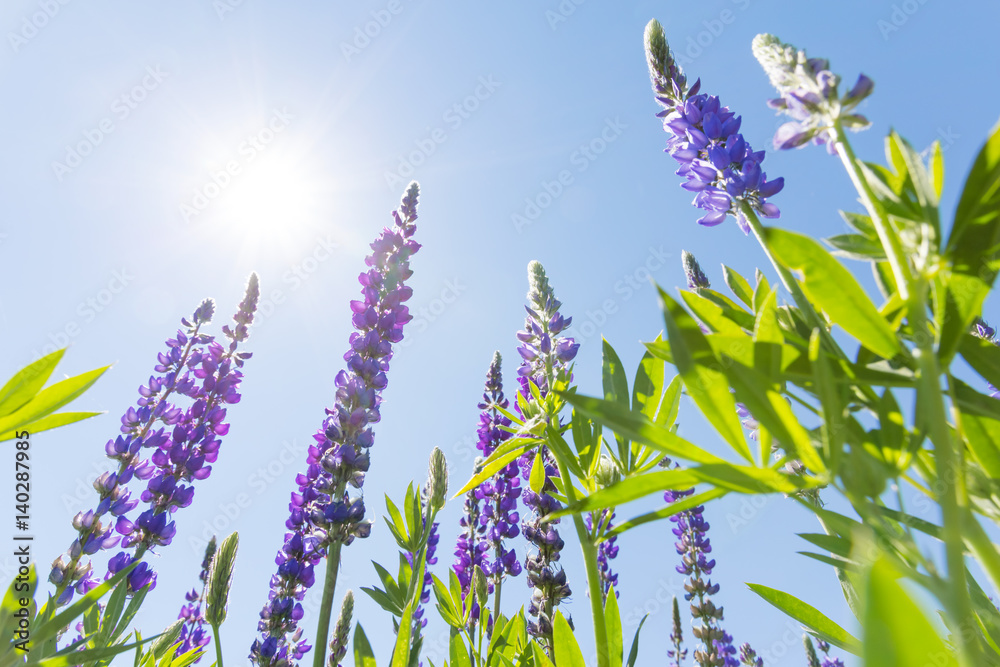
158 153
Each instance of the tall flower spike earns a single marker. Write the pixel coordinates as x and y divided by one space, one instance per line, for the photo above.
179 443
808 94
341 633
676 653
322 511
546 358
472 547
719 166
696 278
195 632
499 518
694 546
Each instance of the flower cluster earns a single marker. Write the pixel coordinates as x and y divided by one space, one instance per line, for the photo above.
471 548
195 632
183 443
696 278
809 96
694 547
322 511
342 632
500 517
719 166
546 356
606 551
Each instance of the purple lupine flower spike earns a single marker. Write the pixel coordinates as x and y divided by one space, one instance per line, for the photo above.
499 518
472 547
719 165
676 653
546 358
693 546
322 512
696 278
749 657
606 551
196 632
809 95
181 442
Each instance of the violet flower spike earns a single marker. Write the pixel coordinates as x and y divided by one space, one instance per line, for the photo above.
499 517
322 511
547 356
808 94
472 547
196 632
153 425
719 165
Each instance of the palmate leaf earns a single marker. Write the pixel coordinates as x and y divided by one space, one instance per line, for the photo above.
971 247
636 426
834 290
811 617
632 488
696 363
666 512
47 401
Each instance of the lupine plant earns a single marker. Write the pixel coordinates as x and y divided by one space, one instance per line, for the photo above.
801 378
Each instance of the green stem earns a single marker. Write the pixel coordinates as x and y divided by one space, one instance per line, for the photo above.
913 292
326 606
590 562
886 234
218 645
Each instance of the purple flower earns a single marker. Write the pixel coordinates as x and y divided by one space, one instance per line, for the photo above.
719 166
694 547
498 519
195 632
809 95
749 657
471 548
546 354
696 278
180 441
322 512
606 551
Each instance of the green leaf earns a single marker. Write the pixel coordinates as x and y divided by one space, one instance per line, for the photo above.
635 426
983 436
50 422
860 223
633 653
632 488
832 287
696 364
27 382
167 640
613 627
937 168
711 315
983 356
896 632
773 411
750 480
445 605
458 653
856 246
811 617
401 651
972 246
566 649
761 290
12 603
537 479
220 580
504 454
647 389
50 399
538 655
613 373
668 511
363 654
739 285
